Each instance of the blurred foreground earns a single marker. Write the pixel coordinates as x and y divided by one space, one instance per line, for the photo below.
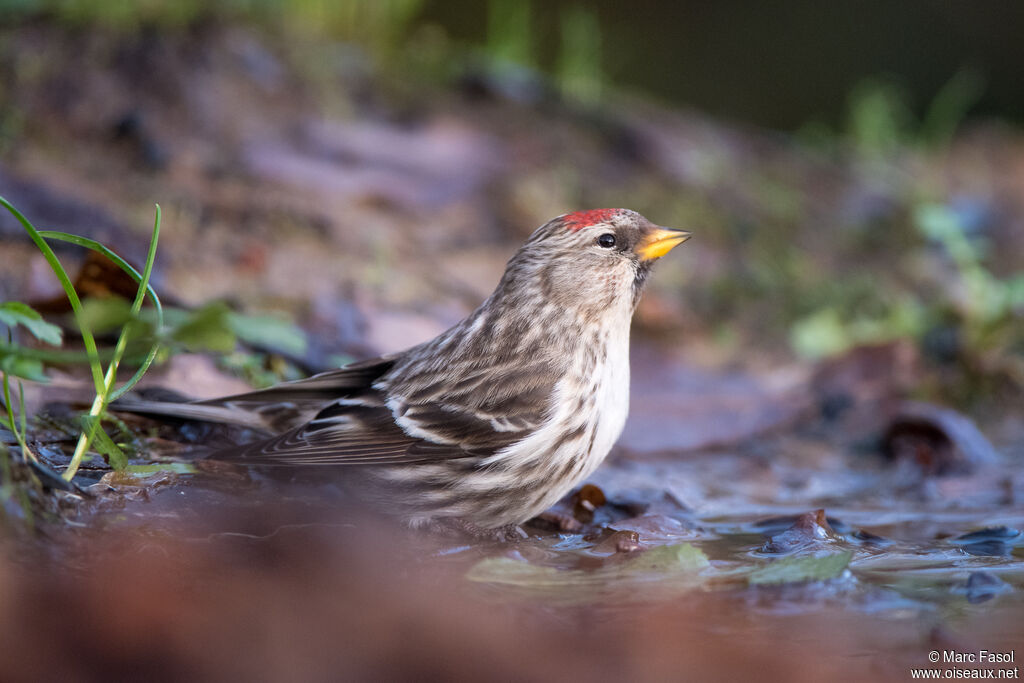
184 584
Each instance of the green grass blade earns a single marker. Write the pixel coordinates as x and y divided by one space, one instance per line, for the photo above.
18 426
65 282
51 356
120 262
21 411
144 288
103 380
106 393
8 407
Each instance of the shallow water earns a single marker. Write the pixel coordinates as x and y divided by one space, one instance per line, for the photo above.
907 555
713 564
797 545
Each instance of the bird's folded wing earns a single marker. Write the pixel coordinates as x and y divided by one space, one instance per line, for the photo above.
276 409
435 422
318 389
342 443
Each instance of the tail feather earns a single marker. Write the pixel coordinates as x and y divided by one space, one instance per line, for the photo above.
221 414
273 410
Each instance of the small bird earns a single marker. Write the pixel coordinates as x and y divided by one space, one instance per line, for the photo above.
493 421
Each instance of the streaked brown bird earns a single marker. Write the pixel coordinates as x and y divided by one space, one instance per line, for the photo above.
493 421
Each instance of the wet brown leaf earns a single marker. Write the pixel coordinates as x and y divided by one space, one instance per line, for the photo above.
810 529
586 501
939 440
622 541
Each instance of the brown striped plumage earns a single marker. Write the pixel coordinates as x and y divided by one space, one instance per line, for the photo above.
498 417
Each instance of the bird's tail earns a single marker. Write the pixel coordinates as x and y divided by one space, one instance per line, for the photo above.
273 410
220 414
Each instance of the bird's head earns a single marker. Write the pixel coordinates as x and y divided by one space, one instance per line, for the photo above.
591 260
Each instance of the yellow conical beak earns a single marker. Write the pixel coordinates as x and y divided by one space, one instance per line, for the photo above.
659 242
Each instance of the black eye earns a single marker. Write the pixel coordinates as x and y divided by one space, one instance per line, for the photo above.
606 240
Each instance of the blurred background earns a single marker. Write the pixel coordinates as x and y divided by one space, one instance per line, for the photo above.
853 173
340 179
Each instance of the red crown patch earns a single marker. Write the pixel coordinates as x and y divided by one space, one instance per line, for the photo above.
581 219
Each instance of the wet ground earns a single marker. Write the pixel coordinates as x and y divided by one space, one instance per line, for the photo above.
176 575
761 516
792 552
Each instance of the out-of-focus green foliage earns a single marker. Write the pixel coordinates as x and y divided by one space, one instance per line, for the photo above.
950 106
944 281
509 35
213 327
269 330
982 299
579 72
831 330
985 310
880 119
15 356
512 41
13 313
812 289
139 335
383 27
14 363
378 24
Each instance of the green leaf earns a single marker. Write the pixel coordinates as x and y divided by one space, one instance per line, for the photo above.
207 329
26 368
69 289
652 574
144 288
682 557
156 468
799 568
820 334
106 313
14 313
511 572
105 446
666 559
1015 292
269 330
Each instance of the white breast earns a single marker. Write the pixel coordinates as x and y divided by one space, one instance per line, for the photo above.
598 400
611 394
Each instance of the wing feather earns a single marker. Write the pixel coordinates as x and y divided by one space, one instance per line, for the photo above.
276 409
393 423
398 409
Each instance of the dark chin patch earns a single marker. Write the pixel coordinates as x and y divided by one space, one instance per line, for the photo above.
643 270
